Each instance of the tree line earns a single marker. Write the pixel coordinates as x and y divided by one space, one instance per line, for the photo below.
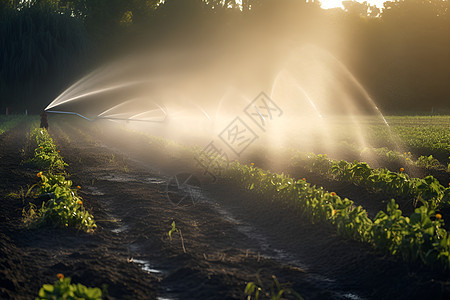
400 54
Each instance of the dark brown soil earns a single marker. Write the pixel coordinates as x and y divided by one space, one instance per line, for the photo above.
229 235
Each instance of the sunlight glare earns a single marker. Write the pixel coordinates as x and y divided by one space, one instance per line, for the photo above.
327 4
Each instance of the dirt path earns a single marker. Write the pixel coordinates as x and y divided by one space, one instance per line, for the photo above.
13 273
229 236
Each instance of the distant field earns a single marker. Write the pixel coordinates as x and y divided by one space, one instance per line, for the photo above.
423 134
8 122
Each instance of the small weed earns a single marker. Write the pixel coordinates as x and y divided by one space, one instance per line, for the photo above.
30 214
174 229
19 195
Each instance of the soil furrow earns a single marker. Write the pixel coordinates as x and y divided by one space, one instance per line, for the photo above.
229 235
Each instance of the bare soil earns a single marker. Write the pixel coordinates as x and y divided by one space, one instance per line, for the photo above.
229 235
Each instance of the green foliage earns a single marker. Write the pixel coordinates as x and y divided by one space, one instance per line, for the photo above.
421 236
421 134
418 237
382 180
9 122
64 289
174 229
30 214
65 208
428 162
275 291
388 156
46 156
318 204
321 163
430 136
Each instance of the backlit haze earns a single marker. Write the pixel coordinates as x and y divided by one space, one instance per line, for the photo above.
326 4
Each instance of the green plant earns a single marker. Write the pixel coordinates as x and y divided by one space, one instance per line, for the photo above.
173 230
420 236
64 289
321 163
428 162
30 214
46 156
275 291
21 194
9 122
64 209
396 184
416 133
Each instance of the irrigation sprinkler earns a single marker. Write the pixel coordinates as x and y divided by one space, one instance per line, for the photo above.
104 118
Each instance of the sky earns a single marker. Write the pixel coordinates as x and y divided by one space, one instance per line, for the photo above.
338 3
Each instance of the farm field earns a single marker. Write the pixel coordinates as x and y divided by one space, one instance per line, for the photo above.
156 240
198 149
8 122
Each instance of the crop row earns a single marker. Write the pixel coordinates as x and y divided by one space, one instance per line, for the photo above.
396 184
64 207
391 159
418 237
8 122
416 133
383 156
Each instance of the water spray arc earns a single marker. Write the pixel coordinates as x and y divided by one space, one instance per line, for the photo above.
324 104
133 118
